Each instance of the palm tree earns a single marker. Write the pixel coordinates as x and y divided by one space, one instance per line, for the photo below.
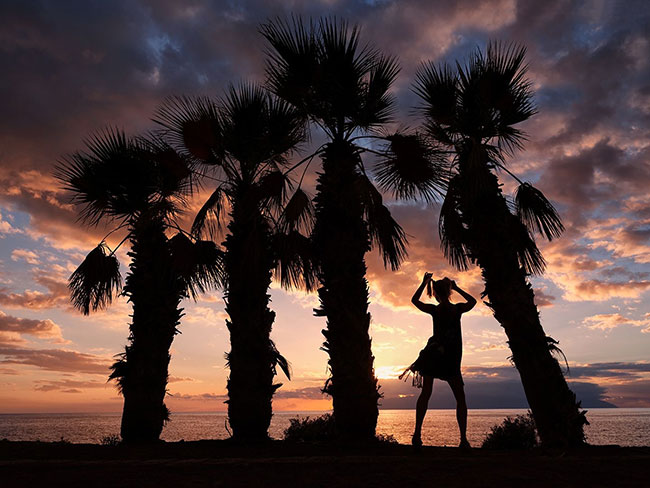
344 89
140 184
472 110
246 139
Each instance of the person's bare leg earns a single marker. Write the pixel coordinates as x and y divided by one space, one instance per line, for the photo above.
421 407
458 389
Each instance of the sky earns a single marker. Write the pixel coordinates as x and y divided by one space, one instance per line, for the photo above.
71 68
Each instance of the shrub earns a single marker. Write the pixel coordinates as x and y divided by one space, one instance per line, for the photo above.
386 439
322 429
308 430
514 433
110 440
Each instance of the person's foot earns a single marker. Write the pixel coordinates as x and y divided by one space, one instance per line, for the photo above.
416 441
464 444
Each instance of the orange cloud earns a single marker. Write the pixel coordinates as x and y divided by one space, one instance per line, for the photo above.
609 321
12 328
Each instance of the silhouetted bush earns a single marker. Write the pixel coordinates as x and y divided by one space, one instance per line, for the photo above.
514 433
321 429
386 439
110 440
308 430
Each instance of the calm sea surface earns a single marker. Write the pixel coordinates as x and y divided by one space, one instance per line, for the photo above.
623 426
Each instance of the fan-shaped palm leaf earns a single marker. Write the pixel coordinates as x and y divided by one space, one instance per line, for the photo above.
199 264
210 219
453 235
322 70
412 168
298 213
97 279
529 255
295 260
272 189
437 87
195 125
536 212
97 181
293 66
384 231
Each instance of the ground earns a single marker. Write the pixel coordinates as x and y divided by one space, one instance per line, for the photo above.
280 464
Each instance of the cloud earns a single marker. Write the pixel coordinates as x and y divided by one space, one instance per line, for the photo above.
177 379
608 321
61 360
7 228
57 294
11 328
75 69
596 385
198 396
68 386
28 256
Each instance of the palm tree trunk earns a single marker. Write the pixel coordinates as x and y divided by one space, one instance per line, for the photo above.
249 261
341 240
143 370
491 229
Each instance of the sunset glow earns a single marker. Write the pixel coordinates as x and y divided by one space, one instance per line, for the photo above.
588 150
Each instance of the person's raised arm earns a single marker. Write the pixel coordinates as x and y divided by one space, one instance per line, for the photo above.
415 300
470 301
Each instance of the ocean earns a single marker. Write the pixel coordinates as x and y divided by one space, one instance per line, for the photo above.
622 426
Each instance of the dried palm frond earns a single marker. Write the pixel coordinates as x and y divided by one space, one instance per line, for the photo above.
536 212
97 279
385 232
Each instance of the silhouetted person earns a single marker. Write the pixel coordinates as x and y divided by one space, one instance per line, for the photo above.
442 355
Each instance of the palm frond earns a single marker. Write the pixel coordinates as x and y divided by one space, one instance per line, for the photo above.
295 260
377 105
210 219
198 264
322 69
110 180
280 360
452 231
385 232
412 168
272 188
298 213
536 212
194 125
293 60
120 371
172 170
437 87
496 95
258 128
530 257
97 279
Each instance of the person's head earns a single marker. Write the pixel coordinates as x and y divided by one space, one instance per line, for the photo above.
442 289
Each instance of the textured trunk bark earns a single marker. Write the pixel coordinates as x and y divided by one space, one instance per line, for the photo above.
249 261
341 240
154 292
491 230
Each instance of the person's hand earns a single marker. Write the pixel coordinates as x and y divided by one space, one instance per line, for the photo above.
453 285
427 277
